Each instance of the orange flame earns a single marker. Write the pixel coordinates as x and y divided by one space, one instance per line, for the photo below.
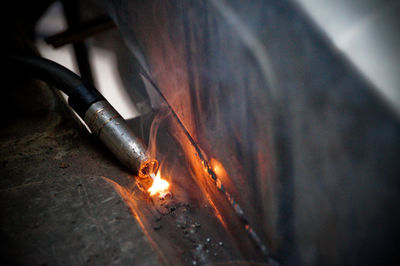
160 186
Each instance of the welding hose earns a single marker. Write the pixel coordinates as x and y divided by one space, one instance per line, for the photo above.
102 119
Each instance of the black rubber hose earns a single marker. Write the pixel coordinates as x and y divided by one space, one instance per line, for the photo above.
81 95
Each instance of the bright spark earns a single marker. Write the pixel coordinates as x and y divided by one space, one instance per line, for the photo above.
159 186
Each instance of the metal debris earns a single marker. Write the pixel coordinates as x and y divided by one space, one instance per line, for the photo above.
157 227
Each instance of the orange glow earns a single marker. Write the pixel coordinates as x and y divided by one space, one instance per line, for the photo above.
218 168
222 174
139 213
159 186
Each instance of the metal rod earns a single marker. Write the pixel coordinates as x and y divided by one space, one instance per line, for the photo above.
81 32
72 15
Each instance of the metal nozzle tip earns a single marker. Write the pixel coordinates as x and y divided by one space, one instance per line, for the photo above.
148 168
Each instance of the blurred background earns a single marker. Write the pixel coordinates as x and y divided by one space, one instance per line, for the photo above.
102 60
366 31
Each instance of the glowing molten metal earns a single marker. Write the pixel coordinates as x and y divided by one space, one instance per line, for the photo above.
159 186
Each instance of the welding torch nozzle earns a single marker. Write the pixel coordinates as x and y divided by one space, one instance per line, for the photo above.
102 119
108 125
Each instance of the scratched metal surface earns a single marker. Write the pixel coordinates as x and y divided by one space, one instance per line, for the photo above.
56 206
312 151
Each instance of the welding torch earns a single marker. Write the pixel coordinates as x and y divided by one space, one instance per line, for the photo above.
98 114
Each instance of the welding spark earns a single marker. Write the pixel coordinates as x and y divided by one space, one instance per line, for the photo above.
159 186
